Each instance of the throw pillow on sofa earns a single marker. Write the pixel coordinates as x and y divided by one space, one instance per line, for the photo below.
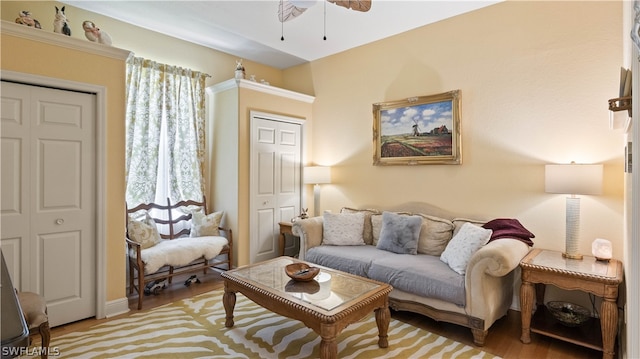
399 233
376 225
367 233
205 225
343 229
435 234
143 231
463 245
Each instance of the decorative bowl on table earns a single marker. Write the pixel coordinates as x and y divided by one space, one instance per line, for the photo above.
301 271
568 314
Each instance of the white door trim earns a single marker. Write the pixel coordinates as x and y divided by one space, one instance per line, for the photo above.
100 117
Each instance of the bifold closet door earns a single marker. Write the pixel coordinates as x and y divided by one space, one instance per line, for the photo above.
275 182
48 196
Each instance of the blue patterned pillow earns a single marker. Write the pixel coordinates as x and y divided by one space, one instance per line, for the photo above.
399 233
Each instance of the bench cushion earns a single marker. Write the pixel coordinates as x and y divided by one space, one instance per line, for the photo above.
181 251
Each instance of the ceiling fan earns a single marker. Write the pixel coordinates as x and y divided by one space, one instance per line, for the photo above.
290 9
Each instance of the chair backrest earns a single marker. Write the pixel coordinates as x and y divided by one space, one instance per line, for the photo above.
177 215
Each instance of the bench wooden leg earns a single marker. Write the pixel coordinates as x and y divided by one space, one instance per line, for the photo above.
130 276
140 287
170 279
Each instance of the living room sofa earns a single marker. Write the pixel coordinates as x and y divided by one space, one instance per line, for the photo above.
473 289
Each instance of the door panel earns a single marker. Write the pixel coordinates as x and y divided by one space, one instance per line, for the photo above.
275 182
56 230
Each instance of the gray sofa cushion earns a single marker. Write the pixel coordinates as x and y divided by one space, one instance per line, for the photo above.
351 259
421 274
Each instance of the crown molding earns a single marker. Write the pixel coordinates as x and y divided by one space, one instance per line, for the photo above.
52 38
256 86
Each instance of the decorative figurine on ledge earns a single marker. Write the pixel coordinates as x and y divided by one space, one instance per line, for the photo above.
239 70
302 215
26 19
94 34
60 23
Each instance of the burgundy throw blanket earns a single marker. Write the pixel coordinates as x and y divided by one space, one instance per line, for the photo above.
509 228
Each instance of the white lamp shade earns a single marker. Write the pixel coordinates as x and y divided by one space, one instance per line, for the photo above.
573 179
317 175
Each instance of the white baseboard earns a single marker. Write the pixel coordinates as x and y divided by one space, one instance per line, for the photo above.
116 307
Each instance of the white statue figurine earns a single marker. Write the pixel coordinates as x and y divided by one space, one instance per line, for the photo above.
60 23
94 34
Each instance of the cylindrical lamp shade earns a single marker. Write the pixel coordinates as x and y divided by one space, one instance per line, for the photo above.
573 179
317 175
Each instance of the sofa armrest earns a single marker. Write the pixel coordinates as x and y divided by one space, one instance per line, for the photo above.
310 232
489 279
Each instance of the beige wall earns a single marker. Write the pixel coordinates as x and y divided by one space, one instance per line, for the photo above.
535 78
142 42
26 56
230 188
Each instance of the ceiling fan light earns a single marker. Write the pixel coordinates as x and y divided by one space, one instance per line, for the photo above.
303 4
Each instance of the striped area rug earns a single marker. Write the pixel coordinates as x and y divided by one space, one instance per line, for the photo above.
194 328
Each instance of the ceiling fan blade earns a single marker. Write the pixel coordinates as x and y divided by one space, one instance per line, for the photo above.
357 5
287 11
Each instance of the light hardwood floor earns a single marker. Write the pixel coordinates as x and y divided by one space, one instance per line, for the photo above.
503 339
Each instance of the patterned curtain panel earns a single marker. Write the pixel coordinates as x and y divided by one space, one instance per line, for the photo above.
164 102
185 111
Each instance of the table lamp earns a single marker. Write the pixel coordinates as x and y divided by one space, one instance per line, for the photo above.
317 175
573 179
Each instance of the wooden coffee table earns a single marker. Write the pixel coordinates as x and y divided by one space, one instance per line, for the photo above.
327 304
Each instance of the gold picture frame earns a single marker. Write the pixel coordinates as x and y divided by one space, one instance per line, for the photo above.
421 130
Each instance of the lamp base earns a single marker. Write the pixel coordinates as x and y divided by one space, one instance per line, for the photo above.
571 256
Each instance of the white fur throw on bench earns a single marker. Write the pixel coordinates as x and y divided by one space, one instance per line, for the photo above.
181 251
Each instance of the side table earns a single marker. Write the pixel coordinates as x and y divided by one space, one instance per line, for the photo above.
285 229
588 275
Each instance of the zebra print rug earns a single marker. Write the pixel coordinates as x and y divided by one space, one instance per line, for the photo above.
194 328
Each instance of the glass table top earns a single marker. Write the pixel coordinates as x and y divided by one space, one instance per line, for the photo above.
587 266
328 290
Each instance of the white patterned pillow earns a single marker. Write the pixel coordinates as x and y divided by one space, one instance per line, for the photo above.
208 225
143 231
343 229
463 245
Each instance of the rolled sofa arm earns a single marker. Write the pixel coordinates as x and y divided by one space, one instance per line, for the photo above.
490 280
310 232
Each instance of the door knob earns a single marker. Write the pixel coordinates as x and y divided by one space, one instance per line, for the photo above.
59 221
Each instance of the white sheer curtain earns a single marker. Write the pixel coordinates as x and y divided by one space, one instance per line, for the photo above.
164 132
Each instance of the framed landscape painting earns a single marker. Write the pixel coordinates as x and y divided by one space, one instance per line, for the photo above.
418 131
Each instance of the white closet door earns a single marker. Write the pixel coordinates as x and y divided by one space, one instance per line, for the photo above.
48 196
275 181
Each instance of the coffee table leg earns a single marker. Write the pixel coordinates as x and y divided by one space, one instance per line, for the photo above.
328 345
383 317
229 302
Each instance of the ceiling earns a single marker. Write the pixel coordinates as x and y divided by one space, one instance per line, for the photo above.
251 29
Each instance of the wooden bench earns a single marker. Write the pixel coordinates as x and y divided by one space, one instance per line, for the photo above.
173 223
